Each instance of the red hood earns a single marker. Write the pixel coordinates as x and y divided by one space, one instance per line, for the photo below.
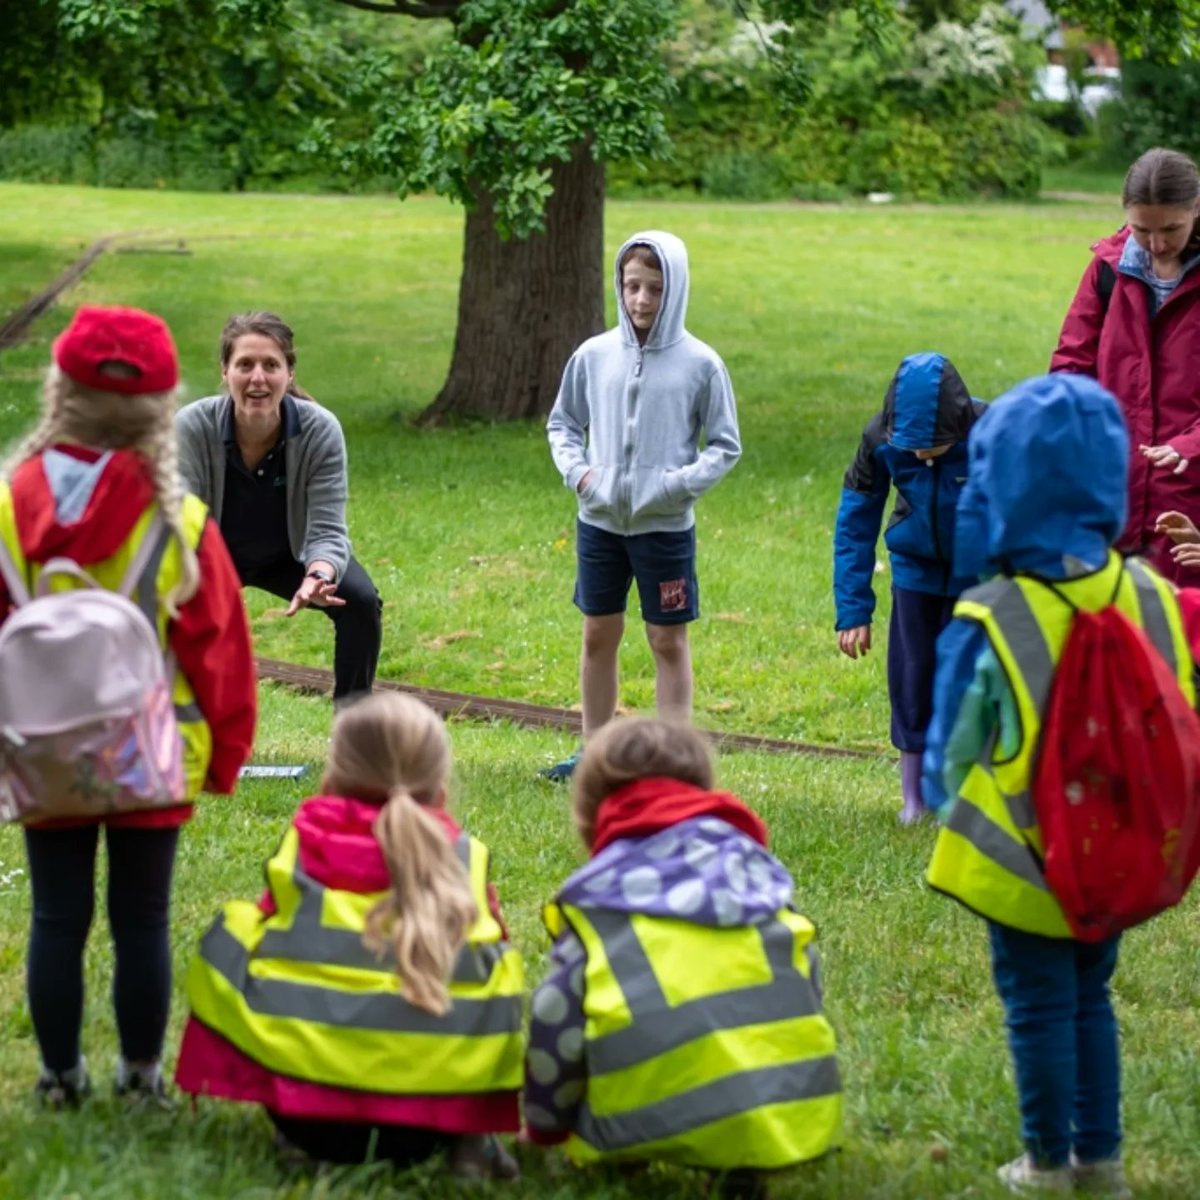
647 805
337 847
121 495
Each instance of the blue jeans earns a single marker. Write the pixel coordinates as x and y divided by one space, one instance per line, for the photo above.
1063 1038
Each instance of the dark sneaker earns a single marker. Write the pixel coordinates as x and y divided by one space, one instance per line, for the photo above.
142 1084
480 1156
63 1089
561 772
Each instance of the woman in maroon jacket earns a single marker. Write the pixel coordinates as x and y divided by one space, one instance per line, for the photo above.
1134 325
77 487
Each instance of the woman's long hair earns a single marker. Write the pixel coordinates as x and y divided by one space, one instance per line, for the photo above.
115 421
630 749
392 748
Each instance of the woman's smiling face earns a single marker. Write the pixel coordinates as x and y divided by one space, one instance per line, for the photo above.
257 377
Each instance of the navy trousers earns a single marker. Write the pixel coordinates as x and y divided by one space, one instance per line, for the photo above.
917 619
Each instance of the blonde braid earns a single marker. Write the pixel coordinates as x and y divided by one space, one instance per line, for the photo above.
47 431
113 421
161 450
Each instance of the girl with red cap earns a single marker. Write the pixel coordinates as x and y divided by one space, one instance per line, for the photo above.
81 486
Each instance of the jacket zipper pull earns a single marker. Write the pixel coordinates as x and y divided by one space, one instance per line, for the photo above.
637 370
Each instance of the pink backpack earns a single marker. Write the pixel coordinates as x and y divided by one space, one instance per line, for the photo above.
87 722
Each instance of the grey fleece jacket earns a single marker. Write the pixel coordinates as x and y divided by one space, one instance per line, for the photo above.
634 415
316 475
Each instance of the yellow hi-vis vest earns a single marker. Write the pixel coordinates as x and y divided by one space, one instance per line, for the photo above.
163 572
703 1046
300 994
990 852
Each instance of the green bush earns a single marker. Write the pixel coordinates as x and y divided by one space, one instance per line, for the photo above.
48 154
1159 106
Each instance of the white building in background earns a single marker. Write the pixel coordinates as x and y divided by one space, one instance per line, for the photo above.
1102 78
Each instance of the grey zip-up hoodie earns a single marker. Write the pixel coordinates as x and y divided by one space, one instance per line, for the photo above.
634 415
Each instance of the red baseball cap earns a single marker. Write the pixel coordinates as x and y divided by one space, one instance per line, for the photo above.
127 338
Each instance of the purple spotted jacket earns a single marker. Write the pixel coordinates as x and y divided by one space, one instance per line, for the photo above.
701 870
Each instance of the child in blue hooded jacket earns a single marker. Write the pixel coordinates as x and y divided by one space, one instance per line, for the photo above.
1045 502
917 444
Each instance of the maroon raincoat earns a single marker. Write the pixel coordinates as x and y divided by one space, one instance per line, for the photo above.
1152 366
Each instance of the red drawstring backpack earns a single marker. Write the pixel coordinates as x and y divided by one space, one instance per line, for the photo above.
1116 785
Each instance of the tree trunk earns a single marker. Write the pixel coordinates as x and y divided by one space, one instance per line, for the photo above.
524 306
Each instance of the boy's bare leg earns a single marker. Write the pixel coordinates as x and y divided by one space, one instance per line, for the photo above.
673 671
598 669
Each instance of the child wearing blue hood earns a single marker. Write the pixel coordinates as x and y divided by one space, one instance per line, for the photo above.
681 1017
1044 502
917 444
625 433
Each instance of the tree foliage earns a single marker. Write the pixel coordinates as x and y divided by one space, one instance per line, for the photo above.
1163 29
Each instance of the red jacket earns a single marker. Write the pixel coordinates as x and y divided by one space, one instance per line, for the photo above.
338 849
1151 366
210 637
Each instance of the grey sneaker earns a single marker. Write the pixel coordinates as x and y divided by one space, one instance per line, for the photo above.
64 1089
1104 1179
142 1084
1022 1175
481 1156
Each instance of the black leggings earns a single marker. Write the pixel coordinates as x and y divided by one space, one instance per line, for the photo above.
357 624
62 866
350 1141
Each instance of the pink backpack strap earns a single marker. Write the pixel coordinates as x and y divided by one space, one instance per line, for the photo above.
148 548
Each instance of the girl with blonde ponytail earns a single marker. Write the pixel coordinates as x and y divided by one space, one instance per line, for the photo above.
408 1039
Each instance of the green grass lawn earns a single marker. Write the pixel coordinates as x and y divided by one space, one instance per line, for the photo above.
468 534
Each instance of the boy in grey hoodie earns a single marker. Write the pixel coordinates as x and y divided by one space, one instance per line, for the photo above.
625 434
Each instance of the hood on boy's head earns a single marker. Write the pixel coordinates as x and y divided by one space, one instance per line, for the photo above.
1046 480
927 404
672 253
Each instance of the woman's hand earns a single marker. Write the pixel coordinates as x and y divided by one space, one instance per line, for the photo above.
856 641
315 592
1177 527
1187 555
1165 456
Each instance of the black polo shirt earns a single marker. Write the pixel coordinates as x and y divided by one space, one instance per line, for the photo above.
254 508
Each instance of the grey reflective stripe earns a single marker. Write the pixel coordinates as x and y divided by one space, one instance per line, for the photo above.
1154 615
659 1025
141 576
726 1097
970 822
382 1011
628 961
462 848
1027 643
308 940
186 713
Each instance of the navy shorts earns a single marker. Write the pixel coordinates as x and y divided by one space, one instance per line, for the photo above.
664 565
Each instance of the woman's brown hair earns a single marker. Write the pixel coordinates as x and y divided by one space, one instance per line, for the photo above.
633 748
1162 177
393 749
265 324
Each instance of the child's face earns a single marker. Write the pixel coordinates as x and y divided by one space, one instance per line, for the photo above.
641 293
